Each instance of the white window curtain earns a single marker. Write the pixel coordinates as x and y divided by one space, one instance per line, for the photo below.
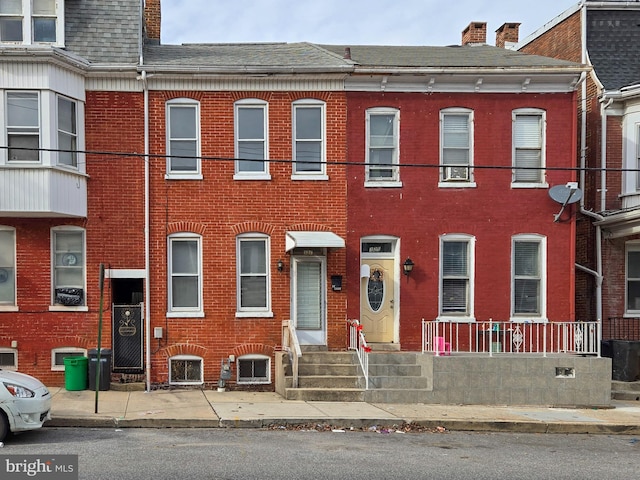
309 296
527 138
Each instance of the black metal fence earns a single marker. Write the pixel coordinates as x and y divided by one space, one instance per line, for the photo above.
621 328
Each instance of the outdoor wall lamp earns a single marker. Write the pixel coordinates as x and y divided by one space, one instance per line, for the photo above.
407 266
280 265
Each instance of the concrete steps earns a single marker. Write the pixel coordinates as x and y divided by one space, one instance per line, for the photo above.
629 391
394 377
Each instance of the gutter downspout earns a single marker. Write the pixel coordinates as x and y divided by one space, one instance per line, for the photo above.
147 295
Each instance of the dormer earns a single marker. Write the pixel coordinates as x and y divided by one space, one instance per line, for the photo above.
31 22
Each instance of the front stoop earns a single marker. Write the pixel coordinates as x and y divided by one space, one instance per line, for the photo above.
394 377
625 390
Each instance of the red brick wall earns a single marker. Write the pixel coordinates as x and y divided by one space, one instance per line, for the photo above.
419 212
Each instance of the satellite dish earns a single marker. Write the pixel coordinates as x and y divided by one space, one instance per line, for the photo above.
565 195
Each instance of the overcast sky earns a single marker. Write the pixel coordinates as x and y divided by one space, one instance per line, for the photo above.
369 22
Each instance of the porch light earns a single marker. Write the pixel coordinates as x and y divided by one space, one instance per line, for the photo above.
280 265
407 266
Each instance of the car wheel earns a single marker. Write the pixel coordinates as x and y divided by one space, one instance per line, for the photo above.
4 426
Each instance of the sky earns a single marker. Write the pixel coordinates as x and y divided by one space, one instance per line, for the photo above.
348 22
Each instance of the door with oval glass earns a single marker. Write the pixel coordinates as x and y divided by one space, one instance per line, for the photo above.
377 301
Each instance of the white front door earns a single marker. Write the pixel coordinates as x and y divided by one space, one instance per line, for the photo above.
309 299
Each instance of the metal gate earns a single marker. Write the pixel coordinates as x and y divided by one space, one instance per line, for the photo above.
128 338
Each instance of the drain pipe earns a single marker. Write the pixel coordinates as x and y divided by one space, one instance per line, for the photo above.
147 295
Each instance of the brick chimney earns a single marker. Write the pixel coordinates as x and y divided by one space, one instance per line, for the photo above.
475 33
507 35
152 20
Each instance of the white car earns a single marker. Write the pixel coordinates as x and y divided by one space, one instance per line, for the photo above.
25 403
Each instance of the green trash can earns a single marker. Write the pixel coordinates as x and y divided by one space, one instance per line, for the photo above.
75 373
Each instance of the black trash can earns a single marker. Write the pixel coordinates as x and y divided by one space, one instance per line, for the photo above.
104 382
625 360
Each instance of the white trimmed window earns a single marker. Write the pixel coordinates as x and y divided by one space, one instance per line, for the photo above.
254 369
383 147
456 275
251 140
31 21
59 354
456 145
309 139
68 266
253 281
632 277
67 132
7 267
186 370
183 139
529 126
185 273
8 359
528 267
637 155
23 126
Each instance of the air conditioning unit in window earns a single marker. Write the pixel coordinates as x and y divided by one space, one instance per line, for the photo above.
456 173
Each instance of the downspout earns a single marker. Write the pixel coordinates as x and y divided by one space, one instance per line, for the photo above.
147 295
597 274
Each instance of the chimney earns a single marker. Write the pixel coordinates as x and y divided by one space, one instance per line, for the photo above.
475 33
507 35
152 20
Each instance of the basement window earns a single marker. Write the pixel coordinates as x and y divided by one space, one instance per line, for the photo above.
565 372
8 359
185 370
59 354
254 369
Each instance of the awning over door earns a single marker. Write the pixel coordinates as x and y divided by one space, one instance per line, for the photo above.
313 240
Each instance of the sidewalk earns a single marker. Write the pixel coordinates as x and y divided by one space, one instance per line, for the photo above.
209 408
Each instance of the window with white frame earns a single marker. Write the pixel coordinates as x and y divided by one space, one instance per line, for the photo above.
59 354
186 370
456 274
632 273
8 358
183 137
68 265
67 132
383 143
23 126
254 369
253 273
7 266
529 127
528 266
185 273
637 155
31 21
308 138
251 139
456 145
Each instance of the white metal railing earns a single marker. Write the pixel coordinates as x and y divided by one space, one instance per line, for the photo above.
291 345
511 337
358 342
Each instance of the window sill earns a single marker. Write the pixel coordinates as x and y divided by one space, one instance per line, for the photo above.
183 176
529 185
263 382
450 319
9 308
316 177
186 383
62 308
185 314
528 320
457 184
394 184
255 176
254 314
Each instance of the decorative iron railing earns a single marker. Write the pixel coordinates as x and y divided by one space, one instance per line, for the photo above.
291 345
621 328
358 342
496 338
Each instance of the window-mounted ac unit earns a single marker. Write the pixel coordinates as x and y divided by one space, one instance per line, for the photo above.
456 173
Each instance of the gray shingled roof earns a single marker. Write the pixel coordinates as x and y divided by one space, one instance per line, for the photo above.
613 43
103 31
305 56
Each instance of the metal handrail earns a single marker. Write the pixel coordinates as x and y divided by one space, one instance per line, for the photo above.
511 337
291 345
358 342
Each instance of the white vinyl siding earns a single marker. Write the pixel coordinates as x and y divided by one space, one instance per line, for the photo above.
383 145
528 147
528 277
309 138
